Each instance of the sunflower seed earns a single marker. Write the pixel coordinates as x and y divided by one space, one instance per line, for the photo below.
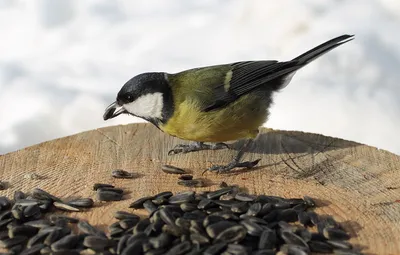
218 193
215 229
183 197
241 207
97 242
345 252
54 236
231 234
97 186
236 249
150 207
340 244
138 204
180 248
86 228
128 223
43 195
215 248
122 215
186 177
292 238
241 196
320 247
172 170
33 250
7 243
22 230
198 238
122 174
335 234
54 217
38 238
31 210
65 207
105 195
122 243
267 239
65 243
288 215
264 252
134 247
81 202
192 183
252 228
7 214
116 190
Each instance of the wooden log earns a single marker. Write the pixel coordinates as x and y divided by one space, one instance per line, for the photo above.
359 185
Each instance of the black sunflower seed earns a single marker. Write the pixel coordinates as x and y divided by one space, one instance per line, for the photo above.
106 195
267 239
234 233
186 177
320 247
44 195
22 230
65 207
183 197
241 196
192 183
138 204
172 169
335 234
81 202
180 248
65 243
122 174
215 229
97 242
5 203
217 193
97 186
10 242
34 250
215 248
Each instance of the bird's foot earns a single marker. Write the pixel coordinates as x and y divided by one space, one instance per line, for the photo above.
197 146
232 165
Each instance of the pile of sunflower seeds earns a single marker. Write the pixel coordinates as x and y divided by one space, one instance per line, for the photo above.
225 221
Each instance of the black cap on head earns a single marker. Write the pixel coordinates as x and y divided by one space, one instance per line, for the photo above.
142 84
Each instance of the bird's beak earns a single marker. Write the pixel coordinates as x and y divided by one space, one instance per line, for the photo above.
113 110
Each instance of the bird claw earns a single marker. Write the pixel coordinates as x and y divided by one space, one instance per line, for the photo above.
180 148
185 148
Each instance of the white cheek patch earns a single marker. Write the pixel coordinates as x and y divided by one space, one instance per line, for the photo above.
147 106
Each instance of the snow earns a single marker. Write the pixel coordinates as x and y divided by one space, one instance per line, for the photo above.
62 62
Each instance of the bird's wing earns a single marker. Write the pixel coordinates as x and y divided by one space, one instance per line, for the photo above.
244 77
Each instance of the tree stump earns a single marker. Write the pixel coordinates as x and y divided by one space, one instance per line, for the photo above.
357 184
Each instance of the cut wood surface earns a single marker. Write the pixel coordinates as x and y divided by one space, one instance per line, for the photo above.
357 184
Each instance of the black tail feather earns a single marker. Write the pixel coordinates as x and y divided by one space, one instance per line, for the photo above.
321 49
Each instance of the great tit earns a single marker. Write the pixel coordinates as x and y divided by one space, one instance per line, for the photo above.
212 104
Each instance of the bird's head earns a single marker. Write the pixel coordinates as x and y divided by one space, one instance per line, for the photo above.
143 96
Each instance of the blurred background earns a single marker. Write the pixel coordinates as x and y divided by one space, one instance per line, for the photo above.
63 61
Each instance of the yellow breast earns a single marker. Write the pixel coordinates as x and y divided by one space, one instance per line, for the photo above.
238 120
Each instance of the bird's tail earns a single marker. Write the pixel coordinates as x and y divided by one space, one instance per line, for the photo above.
289 68
321 49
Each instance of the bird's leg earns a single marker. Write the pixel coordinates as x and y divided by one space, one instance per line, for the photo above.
236 160
197 146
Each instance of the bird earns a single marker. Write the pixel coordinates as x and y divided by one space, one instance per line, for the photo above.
212 105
